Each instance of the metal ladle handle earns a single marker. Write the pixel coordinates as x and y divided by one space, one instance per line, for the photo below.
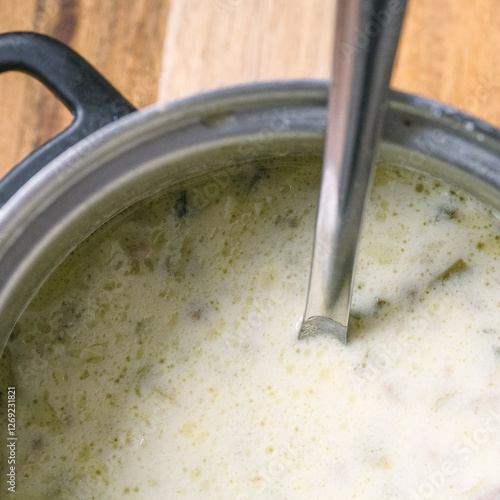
366 39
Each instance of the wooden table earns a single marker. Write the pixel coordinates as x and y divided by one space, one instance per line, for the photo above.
159 50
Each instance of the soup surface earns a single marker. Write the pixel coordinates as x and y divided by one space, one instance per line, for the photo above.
161 359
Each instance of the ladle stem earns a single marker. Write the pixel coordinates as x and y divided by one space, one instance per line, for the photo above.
366 38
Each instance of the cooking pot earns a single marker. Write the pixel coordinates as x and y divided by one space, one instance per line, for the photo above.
111 156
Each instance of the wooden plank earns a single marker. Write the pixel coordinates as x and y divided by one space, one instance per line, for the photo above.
238 41
450 51
123 40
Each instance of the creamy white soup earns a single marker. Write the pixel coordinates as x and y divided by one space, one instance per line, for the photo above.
161 359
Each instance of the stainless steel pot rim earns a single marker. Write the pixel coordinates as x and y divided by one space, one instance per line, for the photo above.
213 105
294 111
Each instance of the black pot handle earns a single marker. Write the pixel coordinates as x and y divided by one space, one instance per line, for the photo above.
92 100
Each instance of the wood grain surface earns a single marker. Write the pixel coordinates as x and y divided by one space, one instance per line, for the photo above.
157 50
